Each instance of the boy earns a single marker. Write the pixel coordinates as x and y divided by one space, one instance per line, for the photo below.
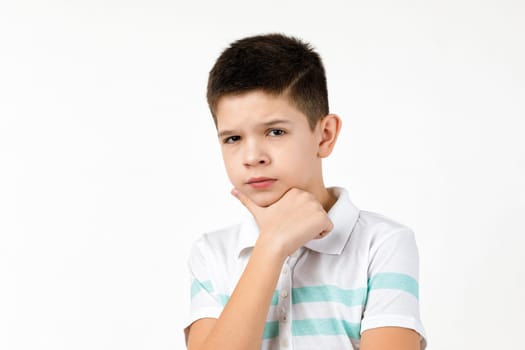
307 269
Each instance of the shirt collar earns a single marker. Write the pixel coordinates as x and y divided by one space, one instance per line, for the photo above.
344 215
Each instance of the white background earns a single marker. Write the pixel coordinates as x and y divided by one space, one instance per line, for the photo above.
110 167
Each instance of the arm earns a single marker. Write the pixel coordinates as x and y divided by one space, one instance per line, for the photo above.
284 227
390 338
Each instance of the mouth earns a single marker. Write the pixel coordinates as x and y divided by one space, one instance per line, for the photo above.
260 182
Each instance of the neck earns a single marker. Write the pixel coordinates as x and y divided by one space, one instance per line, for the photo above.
327 198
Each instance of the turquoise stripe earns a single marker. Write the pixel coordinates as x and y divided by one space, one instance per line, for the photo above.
275 298
271 330
197 286
223 298
327 293
326 326
393 280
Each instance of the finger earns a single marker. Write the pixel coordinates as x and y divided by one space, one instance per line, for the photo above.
247 202
322 235
329 227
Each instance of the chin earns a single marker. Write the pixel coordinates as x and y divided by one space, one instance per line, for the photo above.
265 199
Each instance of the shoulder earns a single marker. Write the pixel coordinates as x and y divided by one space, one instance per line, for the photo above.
377 228
215 258
221 241
391 251
378 236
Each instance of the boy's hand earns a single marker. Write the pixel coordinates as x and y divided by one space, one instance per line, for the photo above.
291 222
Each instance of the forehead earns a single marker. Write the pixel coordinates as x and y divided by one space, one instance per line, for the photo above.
255 107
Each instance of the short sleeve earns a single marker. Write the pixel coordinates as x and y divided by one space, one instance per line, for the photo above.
393 285
206 301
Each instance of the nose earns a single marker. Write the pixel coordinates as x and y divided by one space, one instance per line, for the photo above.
255 154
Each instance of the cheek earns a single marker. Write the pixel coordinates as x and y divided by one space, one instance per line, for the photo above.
298 157
300 164
230 166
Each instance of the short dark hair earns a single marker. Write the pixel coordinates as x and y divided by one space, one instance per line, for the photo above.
276 64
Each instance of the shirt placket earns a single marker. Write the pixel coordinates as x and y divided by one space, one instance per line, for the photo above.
285 302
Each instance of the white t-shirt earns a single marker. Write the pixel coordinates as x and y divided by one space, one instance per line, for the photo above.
362 275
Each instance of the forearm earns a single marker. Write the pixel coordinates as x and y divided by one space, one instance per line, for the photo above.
242 321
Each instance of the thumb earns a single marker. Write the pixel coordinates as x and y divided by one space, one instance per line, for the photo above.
247 202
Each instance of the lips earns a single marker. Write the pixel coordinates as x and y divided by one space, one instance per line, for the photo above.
260 182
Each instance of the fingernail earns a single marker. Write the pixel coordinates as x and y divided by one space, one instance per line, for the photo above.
235 192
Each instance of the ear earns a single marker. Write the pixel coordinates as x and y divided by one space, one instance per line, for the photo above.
329 128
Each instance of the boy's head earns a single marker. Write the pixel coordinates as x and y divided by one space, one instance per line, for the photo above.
275 64
268 98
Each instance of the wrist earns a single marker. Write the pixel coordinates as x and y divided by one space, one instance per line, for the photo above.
272 247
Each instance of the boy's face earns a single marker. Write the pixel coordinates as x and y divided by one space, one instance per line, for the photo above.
268 146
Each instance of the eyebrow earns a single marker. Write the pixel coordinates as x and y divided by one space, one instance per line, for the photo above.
265 124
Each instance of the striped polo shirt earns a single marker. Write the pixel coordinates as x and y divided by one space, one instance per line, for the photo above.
362 275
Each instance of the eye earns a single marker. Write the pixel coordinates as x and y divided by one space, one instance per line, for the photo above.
231 139
276 132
